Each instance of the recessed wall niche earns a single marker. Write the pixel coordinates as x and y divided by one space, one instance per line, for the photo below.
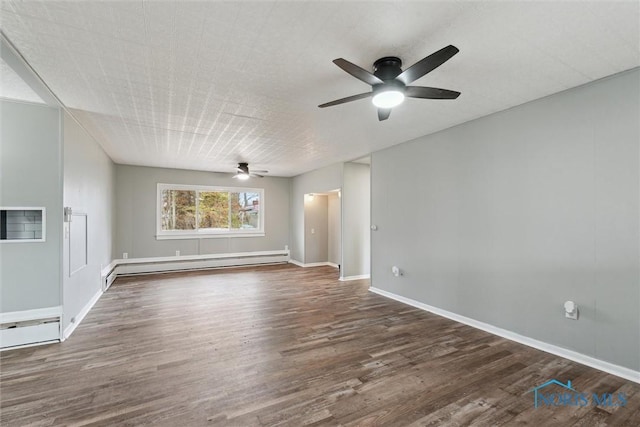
22 224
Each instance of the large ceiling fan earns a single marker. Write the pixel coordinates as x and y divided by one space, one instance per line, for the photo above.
243 173
389 83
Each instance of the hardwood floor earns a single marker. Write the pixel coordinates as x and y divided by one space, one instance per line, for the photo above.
283 345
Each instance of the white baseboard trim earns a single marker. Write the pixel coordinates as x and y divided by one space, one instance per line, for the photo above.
80 316
349 278
316 264
313 264
620 371
31 327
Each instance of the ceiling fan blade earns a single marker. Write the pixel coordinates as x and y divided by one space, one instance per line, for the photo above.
255 175
427 64
347 99
383 113
259 171
430 93
357 72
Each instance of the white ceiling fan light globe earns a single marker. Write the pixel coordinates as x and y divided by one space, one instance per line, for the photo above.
243 176
388 98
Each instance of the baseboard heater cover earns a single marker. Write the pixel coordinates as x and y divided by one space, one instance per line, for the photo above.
31 327
110 277
133 266
154 269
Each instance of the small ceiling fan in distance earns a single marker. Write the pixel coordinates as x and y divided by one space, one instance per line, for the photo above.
389 82
243 173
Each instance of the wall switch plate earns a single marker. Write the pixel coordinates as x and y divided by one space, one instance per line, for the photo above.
177 253
67 212
313 231
125 255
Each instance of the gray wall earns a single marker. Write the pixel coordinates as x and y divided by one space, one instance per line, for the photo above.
89 187
504 218
334 232
317 181
136 189
316 228
356 215
31 175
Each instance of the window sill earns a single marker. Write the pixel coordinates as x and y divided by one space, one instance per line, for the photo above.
206 236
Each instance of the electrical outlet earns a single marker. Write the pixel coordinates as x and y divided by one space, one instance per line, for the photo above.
125 255
571 310
313 231
177 253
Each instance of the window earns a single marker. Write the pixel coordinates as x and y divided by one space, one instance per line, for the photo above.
188 211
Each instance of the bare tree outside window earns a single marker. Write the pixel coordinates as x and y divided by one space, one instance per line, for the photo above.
245 210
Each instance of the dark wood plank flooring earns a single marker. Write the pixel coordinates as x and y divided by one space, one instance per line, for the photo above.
283 345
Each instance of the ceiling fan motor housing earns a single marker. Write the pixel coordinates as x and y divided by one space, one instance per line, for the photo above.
387 68
243 168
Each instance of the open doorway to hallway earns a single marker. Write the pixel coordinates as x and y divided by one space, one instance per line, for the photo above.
337 224
323 228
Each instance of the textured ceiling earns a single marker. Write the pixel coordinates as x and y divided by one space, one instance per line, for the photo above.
204 85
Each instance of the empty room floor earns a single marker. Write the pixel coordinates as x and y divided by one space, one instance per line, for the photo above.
283 345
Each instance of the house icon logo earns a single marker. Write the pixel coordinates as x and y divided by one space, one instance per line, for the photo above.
568 396
537 392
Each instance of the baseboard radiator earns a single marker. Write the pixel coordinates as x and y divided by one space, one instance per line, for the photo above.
108 277
133 266
30 327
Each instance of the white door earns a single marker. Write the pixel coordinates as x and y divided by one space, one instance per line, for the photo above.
75 262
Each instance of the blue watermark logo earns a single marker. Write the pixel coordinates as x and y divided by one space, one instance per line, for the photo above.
565 395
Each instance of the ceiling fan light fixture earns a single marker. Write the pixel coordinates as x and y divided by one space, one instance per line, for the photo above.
243 173
389 82
388 98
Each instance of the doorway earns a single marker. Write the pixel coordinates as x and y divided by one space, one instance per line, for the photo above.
323 229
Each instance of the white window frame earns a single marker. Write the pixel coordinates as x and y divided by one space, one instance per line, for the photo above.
206 233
